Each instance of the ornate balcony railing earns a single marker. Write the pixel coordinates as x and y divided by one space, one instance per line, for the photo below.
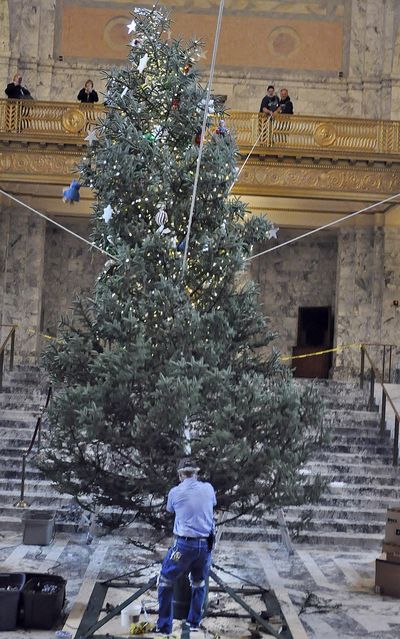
316 135
295 135
56 121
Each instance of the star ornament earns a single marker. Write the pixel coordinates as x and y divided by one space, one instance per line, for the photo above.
131 27
108 213
143 63
272 232
91 137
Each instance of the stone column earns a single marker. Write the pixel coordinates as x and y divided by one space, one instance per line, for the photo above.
22 279
4 43
358 294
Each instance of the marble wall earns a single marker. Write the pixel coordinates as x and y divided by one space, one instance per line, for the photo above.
41 270
70 268
301 274
304 45
22 242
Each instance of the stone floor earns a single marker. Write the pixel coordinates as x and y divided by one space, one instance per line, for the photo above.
343 606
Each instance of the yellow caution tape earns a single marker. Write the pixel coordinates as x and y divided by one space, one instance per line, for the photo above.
283 358
143 627
337 349
44 335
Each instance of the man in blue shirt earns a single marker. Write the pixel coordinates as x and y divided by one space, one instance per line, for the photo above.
193 503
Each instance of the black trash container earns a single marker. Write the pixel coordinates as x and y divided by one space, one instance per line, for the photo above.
183 596
11 585
43 599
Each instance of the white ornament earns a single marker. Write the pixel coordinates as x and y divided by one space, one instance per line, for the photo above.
124 92
143 63
272 232
108 213
131 27
91 137
211 108
162 216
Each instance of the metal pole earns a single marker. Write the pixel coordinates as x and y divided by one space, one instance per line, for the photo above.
383 363
390 364
396 442
371 401
244 605
1 368
22 503
362 367
383 415
12 349
39 433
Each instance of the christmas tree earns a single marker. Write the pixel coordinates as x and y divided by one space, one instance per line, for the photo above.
162 360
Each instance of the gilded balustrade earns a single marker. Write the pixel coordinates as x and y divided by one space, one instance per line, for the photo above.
60 121
50 121
310 134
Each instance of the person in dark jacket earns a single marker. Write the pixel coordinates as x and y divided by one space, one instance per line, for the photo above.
16 91
285 103
88 94
270 102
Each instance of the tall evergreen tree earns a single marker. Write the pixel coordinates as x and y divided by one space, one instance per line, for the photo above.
157 362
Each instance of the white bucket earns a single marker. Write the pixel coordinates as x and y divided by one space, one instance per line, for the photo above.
131 614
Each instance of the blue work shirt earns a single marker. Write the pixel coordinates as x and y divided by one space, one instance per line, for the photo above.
192 501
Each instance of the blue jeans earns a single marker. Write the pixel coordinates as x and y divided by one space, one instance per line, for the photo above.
196 559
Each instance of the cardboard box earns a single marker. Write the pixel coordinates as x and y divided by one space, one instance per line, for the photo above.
392 552
387 577
392 532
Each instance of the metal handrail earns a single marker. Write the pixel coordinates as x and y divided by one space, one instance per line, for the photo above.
10 337
377 376
36 434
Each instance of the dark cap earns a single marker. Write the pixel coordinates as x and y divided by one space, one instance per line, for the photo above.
188 464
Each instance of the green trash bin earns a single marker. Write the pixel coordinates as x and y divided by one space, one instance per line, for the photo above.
39 528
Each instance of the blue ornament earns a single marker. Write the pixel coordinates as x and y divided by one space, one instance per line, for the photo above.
71 193
181 246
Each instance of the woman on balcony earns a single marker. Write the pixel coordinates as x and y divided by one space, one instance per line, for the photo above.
88 94
16 91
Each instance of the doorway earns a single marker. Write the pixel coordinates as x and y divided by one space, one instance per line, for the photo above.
314 334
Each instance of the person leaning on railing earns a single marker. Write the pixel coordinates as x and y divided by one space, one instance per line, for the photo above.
88 94
270 101
285 106
16 91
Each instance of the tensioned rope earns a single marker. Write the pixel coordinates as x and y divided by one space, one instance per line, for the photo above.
325 226
64 228
247 158
203 132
